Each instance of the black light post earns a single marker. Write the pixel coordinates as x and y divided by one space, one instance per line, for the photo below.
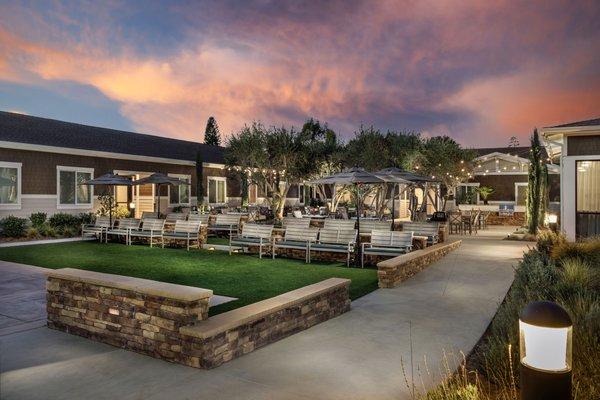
545 342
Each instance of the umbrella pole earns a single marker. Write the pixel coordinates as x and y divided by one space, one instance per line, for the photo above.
158 201
393 203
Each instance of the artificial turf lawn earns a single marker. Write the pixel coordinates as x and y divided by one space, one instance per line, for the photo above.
244 276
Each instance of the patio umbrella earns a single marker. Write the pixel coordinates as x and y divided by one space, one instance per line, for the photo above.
159 179
354 176
395 176
111 180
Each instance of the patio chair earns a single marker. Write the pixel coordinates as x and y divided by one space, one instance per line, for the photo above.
369 225
188 231
173 217
253 235
335 241
122 229
303 223
483 219
429 229
455 222
341 224
202 218
225 223
149 214
151 229
296 238
387 243
97 229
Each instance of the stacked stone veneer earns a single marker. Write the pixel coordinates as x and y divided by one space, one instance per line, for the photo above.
230 335
517 219
171 322
398 269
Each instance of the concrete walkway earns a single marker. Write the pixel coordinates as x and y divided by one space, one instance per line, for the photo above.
359 355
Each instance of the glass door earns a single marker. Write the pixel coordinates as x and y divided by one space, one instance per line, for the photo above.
587 214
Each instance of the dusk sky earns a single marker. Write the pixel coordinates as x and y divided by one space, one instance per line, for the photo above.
477 71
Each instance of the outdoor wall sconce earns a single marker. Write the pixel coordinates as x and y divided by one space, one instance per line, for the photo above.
132 205
545 335
552 218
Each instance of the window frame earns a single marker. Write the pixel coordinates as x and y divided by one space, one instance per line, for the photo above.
187 177
18 166
76 205
468 184
216 178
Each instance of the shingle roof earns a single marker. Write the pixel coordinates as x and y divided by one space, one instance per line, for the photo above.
28 129
522 151
587 122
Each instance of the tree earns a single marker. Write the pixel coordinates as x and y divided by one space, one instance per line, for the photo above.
274 158
445 160
485 192
368 149
534 189
513 142
211 133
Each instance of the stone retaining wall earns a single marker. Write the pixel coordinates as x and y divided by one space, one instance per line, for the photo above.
171 322
517 219
398 269
230 335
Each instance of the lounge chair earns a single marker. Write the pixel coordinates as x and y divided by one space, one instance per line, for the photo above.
341 224
149 214
294 222
253 235
296 238
173 217
188 231
429 229
225 223
369 225
387 243
202 218
151 229
97 229
335 241
122 229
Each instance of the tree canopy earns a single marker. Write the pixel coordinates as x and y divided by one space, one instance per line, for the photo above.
211 133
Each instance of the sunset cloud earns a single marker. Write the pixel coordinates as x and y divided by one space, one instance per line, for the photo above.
478 71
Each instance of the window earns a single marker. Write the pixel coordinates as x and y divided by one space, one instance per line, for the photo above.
10 186
180 194
71 192
217 189
521 193
588 198
466 193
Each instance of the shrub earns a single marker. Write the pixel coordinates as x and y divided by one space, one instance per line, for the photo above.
32 233
70 231
13 226
47 231
38 219
62 220
588 250
86 218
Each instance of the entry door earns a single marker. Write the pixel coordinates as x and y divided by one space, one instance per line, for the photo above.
144 197
587 217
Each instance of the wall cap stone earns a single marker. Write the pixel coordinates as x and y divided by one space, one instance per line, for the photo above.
146 286
240 316
404 258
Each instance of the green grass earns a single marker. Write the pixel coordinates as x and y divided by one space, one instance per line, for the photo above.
246 277
218 240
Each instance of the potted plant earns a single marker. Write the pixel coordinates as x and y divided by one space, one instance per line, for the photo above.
484 193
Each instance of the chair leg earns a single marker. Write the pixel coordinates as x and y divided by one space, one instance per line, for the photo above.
260 251
273 252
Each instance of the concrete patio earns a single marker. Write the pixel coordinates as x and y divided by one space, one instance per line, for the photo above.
359 355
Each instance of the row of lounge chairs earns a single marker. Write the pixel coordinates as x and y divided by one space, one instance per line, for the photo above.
150 229
308 240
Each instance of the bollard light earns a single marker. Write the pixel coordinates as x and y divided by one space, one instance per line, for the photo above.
545 335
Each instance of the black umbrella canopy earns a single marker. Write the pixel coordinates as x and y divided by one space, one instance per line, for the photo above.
409 176
109 180
160 179
350 177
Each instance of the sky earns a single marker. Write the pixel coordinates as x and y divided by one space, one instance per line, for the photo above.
478 71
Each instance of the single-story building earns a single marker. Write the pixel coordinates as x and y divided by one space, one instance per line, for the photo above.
577 146
505 170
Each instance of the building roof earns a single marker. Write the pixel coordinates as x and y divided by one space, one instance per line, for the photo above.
28 129
522 151
587 122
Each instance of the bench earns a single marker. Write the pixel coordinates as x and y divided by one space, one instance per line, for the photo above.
296 238
151 229
149 214
252 235
188 231
336 241
367 226
341 224
203 218
225 223
97 229
429 229
295 222
173 217
387 243
125 225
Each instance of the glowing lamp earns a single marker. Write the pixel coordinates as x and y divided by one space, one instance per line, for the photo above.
132 205
545 335
552 218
